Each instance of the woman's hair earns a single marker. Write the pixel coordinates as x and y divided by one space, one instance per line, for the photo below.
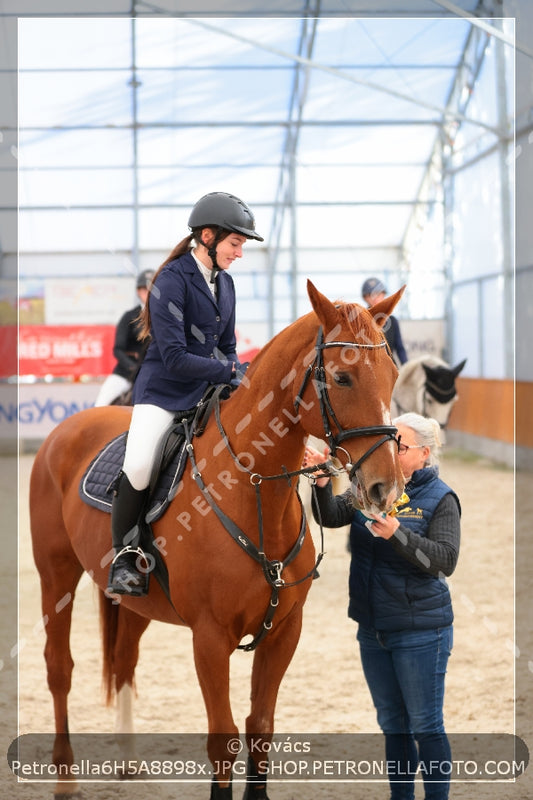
427 433
179 250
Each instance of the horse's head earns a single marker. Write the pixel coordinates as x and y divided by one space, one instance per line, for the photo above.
352 376
440 393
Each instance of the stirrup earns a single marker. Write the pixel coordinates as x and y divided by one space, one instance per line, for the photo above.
125 578
129 549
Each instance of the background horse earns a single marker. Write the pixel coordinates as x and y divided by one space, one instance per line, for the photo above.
328 374
426 385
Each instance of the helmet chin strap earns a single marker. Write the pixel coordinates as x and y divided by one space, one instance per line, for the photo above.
216 269
212 253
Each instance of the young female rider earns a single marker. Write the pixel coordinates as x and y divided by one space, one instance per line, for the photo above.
190 319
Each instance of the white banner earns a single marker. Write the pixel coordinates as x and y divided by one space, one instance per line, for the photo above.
88 301
41 407
422 336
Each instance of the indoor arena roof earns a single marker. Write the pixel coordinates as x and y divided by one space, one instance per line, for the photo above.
323 118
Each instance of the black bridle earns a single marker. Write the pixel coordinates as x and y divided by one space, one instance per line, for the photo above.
387 432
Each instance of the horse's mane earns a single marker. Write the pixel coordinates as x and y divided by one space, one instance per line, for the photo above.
359 322
366 327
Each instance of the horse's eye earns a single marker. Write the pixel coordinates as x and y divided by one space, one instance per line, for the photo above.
343 379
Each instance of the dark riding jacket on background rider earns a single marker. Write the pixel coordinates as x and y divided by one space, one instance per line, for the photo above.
128 349
391 329
187 322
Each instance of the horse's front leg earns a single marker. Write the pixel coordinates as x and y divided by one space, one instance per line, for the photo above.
212 650
271 660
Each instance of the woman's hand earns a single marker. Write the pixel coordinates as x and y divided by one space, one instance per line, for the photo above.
312 457
384 527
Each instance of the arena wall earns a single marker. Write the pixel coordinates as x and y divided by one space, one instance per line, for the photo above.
494 418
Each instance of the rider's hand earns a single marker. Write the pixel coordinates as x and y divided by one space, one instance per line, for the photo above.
238 374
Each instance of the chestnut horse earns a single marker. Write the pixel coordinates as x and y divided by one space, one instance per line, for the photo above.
328 374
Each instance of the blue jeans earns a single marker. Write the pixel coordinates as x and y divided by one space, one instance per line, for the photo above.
405 674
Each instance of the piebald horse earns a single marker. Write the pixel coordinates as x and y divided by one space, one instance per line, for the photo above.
239 555
426 385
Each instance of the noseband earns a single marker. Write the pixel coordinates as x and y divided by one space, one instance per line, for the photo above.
387 432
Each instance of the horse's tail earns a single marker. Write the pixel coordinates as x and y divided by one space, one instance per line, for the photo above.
109 614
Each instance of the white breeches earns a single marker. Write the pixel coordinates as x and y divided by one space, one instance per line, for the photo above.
112 387
148 426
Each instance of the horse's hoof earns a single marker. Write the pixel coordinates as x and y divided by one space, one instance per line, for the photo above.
68 796
256 787
255 792
220 792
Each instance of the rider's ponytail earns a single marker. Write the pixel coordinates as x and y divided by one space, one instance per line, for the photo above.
144 317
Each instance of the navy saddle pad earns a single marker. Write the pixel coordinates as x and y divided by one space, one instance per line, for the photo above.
96 486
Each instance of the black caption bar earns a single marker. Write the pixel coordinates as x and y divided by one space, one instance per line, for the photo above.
290 757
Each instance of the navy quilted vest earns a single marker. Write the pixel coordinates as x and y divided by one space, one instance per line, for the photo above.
387 592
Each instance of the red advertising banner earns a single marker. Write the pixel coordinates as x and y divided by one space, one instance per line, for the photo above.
8 351
65 350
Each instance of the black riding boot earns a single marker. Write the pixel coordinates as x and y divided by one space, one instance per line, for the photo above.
128 573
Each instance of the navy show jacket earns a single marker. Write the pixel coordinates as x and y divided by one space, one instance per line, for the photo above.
193 337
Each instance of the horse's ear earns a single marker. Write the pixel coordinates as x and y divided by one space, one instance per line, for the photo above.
382 311
323 308
456 370
431 372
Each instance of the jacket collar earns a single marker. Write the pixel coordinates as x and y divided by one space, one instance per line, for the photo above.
191 267
424 475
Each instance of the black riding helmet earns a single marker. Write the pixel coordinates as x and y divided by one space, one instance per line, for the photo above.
225 212
144 279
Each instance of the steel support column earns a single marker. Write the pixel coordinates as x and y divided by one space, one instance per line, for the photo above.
286 190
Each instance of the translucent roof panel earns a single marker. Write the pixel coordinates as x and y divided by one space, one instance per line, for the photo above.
168 185
356 184
349 226
65 149
336 118
367 145
74 99
68 43
208 95
384 69
390 42
206 145
215 43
